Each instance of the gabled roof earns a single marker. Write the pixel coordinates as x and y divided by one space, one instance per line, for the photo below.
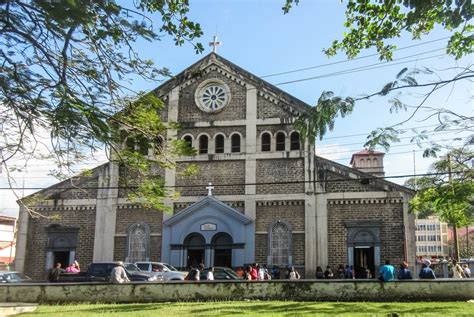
214 59
208 200
353 173
65 185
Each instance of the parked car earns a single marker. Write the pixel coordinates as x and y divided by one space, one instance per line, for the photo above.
14 277
100 272
164 271
220 273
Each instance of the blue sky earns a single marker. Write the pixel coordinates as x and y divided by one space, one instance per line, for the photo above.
258 37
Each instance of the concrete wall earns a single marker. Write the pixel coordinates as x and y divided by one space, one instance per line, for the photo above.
440 290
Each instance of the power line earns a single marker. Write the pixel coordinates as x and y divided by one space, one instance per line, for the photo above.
350 60
356 69
369 177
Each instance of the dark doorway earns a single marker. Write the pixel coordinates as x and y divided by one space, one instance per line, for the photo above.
61 257
195 257
223 257
222 244
363 259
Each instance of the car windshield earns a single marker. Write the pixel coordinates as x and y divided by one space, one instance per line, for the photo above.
132 267
170 267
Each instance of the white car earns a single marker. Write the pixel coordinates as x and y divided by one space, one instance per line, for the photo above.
165 272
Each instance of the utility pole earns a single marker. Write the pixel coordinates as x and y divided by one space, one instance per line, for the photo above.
455 229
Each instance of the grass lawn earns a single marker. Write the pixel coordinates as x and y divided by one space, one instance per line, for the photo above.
259 308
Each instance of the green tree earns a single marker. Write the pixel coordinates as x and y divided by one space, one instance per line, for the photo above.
62 73
449 193
372 24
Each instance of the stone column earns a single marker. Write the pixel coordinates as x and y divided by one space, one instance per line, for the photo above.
321 229
310 229
21 239
410 238
250 151
106 213
170 174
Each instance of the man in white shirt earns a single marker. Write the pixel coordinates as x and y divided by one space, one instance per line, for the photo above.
118 274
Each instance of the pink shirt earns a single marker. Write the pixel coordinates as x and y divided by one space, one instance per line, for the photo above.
72 269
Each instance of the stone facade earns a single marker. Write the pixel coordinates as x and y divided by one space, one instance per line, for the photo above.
296 208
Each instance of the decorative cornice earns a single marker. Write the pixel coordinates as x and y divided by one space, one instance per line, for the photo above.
281 203
365 201
64 208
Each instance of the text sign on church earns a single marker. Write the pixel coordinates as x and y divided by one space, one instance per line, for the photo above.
208 227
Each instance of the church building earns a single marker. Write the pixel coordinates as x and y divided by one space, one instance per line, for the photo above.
260 195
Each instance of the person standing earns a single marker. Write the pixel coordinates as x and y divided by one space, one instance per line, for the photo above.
457 270
426 272
387 272
294 275
319 273
404 273
467 270
53 276
210 274
328 274
118 275
254 273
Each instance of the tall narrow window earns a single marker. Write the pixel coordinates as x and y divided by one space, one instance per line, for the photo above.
220 143
138 246
280 141
235 143
203 144
266 142
295 141
280 244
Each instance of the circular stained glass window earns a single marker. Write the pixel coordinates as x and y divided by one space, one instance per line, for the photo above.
212 96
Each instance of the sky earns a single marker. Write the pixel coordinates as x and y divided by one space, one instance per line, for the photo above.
258 37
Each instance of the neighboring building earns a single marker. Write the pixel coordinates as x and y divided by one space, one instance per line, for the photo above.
369 162
7 239
273 201
431 237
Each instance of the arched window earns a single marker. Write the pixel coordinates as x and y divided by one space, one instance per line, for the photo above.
280 141
362 163
137 144
138 244
368 163
376 162
159 144
280 243
219 143
189 140
203 144
266 142
295 141
235 143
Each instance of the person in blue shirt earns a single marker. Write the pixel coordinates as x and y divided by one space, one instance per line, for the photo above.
404 273
387 272
426 272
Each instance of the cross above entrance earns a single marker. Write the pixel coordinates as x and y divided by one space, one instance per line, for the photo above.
209 189
214 44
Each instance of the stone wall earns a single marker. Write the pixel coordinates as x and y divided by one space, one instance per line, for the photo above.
268 109
304 290
130 216
280 176
84 218
391 232
218 173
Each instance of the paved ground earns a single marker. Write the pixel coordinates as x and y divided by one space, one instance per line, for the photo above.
8 309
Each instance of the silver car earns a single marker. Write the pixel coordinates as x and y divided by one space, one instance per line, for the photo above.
165 272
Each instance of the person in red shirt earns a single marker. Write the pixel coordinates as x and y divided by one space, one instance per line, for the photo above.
254 272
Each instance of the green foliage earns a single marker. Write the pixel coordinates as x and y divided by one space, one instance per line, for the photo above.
372 23
452 200
63 65
321 118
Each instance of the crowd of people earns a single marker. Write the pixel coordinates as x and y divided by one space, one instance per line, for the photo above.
257 272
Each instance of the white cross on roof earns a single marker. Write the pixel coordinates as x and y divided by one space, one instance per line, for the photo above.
209 189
